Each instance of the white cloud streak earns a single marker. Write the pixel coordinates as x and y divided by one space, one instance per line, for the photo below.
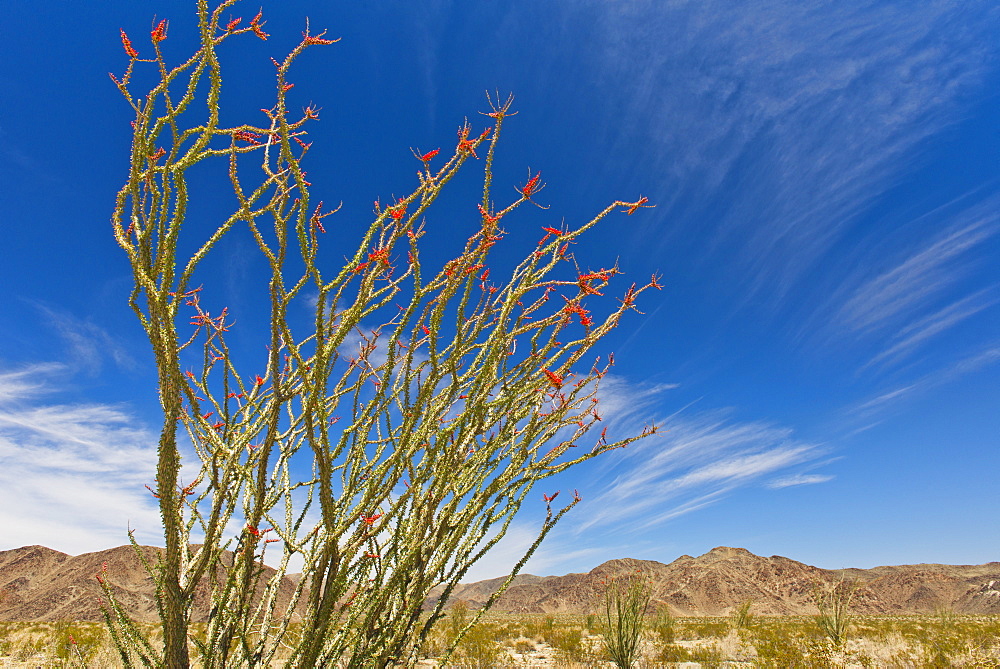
71 476
696 462
799 479
88 344
887 400
905 289
917 333
774 124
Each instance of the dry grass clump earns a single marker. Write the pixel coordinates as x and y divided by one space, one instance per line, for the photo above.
507 640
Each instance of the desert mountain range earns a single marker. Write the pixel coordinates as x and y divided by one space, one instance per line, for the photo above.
41 584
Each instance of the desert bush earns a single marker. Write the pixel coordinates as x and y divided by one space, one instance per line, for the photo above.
662 626
625 602
455 405
834 604
569 644
78 642
480 648
522 646
703 628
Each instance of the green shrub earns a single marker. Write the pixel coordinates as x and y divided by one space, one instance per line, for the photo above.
625 602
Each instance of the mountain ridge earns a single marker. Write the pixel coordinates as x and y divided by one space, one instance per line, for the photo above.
42 584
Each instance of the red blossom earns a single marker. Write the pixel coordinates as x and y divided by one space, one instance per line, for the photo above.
258 380
127 43
426 158
629 295
579 311
425 329
585 280
232 24
255 25
369 520
632 208
492 220
309 40
160 31
464 143
246 136
554 378
549 498
552 231
531 187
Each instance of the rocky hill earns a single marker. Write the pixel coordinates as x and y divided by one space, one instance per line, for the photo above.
38 583
41 584
719 581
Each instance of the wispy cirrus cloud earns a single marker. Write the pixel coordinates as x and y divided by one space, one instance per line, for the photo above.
772 125
701 458
899 292
88 344
914 335
799 479
871 410
71 475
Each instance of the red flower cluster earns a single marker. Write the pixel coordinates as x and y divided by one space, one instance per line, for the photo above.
490 220
531 187
246 136
127 43
585 320
160 31
255 25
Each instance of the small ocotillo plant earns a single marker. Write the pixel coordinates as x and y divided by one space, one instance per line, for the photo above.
834 604
741 618
388 444
625 602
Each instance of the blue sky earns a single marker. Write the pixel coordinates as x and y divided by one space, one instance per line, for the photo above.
826 175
